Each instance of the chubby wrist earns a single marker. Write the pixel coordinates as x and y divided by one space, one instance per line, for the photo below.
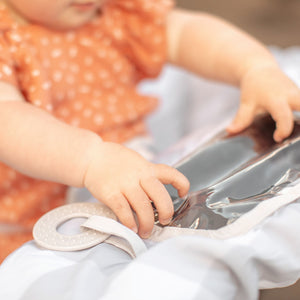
91 145
257 66
99 155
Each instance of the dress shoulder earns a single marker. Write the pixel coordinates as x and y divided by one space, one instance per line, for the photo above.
138 28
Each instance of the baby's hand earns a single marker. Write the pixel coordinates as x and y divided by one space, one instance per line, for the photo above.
267 89
125 181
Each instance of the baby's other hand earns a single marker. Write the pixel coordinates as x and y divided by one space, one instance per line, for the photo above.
125 181
267 89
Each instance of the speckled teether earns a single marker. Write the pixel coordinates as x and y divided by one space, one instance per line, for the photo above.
45 230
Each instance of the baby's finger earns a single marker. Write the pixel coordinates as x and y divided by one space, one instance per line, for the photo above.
293 97
122 209
294 100
169 175
283 116
141 204
243 118
160 197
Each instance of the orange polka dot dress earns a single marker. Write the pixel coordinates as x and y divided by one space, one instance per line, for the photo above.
86 77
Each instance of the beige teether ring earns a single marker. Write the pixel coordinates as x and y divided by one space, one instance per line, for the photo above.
45 230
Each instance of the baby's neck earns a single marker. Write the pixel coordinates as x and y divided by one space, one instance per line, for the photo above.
14 14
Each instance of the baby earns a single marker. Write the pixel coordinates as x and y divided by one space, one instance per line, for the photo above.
69 71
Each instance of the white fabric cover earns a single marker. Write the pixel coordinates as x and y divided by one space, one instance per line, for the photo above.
185 267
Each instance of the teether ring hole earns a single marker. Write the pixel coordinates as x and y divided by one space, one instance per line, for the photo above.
71 226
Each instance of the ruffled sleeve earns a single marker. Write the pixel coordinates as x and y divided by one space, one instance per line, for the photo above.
7 63
18 65
138 29
7 66
21 68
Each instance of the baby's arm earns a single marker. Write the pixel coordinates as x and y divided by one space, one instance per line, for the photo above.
37 144
215 49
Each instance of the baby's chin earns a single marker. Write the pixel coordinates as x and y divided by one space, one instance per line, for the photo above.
64 24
